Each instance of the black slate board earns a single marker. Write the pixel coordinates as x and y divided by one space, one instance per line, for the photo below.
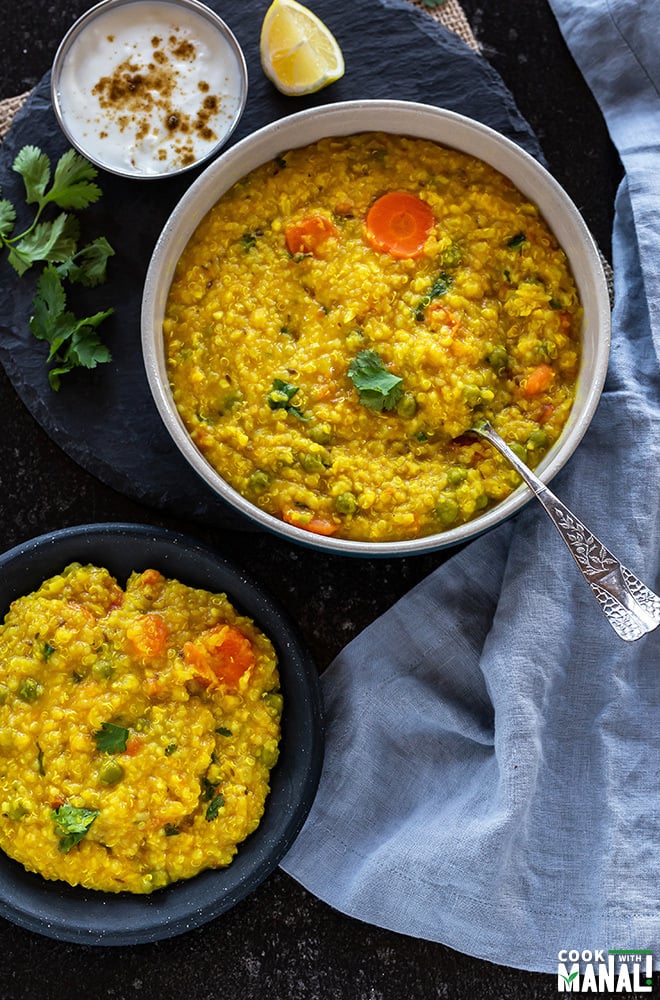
106 420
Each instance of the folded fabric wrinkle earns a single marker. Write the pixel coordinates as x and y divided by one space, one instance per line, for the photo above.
491 776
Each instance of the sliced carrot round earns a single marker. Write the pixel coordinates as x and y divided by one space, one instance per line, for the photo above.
399 223
308 235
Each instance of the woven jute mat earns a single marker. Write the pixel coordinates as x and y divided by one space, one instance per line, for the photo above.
449 13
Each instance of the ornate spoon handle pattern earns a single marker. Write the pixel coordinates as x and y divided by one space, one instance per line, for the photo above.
629 606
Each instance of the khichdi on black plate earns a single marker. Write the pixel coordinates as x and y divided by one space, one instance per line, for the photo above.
68 913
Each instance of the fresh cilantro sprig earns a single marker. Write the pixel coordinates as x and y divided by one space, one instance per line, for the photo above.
72 188
71 824
74 342
378 388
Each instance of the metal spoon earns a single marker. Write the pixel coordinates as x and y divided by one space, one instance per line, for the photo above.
629 606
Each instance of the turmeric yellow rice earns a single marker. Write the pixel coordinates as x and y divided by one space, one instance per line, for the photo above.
138 729
330 374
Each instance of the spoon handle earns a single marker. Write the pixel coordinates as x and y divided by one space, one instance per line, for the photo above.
629 606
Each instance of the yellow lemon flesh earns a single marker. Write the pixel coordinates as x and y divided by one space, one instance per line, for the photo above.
299 54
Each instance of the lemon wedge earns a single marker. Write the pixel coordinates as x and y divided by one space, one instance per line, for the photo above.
299 53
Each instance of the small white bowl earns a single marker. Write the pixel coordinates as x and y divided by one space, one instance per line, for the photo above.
422 121
148 88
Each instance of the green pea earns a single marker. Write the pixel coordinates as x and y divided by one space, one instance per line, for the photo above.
320 433
274 702
258 481
102 670
472 396
30 690
519 450
481 501
16 809
111 772
452 256
407 406
447 511
456 474
346 503
311 461
477 395
538 439
498 359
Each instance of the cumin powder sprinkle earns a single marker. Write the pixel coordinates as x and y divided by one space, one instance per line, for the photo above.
134 92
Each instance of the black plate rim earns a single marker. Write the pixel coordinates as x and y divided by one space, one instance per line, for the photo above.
81 916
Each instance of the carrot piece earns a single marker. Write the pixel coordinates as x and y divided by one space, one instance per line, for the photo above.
317 524
307 235
399 223
133 745
221 655
148 635
539 380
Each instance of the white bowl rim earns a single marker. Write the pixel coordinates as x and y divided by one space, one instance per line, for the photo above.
87 18
402 117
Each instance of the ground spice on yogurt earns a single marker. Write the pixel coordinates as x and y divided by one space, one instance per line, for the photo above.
133 93
148 88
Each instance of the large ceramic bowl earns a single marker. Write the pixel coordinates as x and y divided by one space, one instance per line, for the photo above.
416 120
68 913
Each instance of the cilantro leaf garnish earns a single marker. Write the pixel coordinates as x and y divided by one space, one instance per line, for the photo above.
45 241
440 287
214 806
74 342
72 823
89 264
110 738
72 184
517 240
378 388
71 188
34 168
280 396
208 788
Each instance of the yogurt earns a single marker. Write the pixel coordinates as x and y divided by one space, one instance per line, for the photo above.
149 87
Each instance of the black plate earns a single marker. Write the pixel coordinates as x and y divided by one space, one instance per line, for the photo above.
88 917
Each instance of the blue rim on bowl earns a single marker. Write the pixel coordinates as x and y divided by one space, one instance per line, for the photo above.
84 916
114 128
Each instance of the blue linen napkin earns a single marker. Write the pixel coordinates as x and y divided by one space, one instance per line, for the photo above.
491 774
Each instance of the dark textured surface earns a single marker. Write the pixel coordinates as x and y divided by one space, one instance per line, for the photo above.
85 417
281 942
